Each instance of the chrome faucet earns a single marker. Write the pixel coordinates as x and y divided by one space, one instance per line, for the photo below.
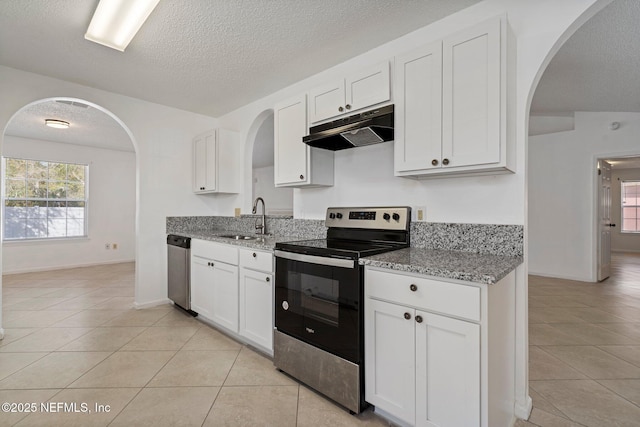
262 227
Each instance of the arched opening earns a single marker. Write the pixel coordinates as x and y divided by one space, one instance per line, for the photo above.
260 163
54 218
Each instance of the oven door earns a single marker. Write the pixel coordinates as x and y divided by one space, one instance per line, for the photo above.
318 301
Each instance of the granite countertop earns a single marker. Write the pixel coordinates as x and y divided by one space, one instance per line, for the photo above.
266 243
467 266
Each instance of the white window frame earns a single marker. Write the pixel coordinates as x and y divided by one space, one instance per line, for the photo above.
622 206
85 233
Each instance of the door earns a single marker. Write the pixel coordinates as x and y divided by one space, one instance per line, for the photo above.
604 220
225 295
390 362
256 307
202 287
447 371
418 96
326 101
291 160
471 72
318 301
368 87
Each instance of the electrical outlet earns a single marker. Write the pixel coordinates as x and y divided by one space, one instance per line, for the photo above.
107 246
421 213
237 212
114 246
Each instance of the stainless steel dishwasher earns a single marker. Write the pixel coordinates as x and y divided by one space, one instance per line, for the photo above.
179 271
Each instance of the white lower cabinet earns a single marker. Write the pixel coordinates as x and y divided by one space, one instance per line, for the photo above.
256 309
427 364
233 288
214 283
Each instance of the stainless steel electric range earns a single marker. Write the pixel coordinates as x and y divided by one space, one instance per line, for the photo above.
319 297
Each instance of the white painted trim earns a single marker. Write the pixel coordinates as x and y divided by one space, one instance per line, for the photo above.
1 333
561 276
523 409
64 267
626 251
151 304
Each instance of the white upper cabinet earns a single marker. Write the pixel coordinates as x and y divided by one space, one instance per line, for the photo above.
295 163
451 104
216 162
356 92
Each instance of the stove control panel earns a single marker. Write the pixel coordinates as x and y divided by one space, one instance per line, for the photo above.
377 218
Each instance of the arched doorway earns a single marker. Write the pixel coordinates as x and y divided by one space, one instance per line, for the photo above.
88 217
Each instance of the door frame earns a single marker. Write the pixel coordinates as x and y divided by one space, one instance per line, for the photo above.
595 216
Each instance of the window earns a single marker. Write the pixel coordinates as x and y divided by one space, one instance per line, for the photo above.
44 199
630 206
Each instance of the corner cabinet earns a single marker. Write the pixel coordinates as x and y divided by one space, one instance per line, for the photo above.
216 162
451 104
364 89
430 345
295 163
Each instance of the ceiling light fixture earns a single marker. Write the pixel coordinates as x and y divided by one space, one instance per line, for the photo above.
116 22
58 124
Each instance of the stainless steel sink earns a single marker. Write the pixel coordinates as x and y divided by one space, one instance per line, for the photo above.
238 237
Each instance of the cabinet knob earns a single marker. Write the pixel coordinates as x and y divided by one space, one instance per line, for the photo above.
340 109
348 106
268 279
445 162
419 319
413 287
434 162
407 316
254 254
301 176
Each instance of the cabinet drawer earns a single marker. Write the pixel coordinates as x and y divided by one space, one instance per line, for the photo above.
431 295
256 260
217 251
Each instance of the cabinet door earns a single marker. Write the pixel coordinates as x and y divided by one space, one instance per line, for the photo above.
368 87
471 96
326 101
256 307
390 358
447 371
225 295
204 162
418 107
202 292
291 154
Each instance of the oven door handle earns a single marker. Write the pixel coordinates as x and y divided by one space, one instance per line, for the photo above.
313 259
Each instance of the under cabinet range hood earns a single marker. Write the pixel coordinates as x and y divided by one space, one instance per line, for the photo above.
371 127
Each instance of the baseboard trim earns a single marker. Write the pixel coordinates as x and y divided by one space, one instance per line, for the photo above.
140 306
560 276
64 267
523 409
1 333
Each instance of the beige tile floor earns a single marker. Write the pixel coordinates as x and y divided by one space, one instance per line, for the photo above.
584 349
72 337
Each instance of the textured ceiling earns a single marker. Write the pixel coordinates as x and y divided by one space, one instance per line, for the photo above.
598 68
207 56
88 126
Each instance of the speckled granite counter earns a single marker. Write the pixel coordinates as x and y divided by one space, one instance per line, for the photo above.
266 243
470 267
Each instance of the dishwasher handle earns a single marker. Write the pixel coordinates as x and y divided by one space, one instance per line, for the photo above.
180 241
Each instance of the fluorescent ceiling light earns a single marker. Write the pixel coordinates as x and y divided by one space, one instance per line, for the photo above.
58 124
116 22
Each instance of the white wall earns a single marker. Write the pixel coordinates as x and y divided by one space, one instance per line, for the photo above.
278 201
111 208
562 192
622 242
162 138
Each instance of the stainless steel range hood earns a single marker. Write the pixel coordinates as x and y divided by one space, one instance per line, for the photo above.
371 127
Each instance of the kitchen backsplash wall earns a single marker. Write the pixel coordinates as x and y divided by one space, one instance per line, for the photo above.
507 240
